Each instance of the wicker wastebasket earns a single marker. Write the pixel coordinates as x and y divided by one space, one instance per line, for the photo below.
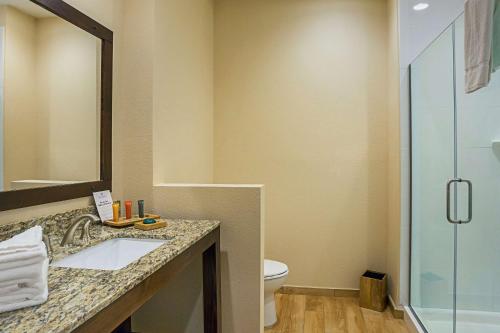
373 291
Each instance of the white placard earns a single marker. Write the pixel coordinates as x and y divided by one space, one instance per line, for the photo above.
104 204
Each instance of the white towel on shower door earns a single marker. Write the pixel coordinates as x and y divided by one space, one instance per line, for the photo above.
478 43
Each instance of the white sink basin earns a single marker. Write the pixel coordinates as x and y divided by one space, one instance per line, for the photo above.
111 255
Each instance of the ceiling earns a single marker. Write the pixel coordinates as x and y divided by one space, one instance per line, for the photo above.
419 28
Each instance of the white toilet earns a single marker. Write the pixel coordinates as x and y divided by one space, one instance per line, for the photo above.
275 274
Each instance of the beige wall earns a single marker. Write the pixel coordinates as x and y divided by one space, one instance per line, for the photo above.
20 114
394 168
183 92
300 106
182 152
240 209
133 105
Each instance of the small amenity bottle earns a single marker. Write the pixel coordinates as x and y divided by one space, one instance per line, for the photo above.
128 209
116 212
140 205
119 203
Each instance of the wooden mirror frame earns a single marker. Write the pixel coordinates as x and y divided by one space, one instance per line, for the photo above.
37 196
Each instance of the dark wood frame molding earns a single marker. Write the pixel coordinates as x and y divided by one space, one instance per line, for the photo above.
37 196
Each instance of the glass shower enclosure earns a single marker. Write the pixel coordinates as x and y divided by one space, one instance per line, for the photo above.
455 193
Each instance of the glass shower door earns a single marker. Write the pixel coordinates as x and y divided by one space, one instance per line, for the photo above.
478 243
455 249
433 165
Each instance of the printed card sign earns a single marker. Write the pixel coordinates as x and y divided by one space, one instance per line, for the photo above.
104 204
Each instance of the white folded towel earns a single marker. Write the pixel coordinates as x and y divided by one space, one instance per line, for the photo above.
31 286
34 253
19 284
19 287
21 263
25 240
23 270
32 271
478 43
27 290
21 304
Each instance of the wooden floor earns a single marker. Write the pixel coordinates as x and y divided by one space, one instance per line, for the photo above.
324 314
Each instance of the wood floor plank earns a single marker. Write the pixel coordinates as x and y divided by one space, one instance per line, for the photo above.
297 315
329 314
393 325
313 322
355 322
314 316
374 321
291 312
334 315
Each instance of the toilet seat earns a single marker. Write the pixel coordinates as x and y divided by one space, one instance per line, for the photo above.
275 274
274 269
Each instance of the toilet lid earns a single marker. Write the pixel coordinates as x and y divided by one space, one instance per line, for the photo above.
274 268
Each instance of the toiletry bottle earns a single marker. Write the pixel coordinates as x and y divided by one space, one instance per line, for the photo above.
116 212
119 207
128 209
140 205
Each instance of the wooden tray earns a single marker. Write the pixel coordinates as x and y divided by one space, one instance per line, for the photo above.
157 225
123 222
151 216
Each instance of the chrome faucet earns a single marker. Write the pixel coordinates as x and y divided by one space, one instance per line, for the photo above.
69 236
48 246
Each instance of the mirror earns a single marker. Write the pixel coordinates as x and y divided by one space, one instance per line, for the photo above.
50 99
56 88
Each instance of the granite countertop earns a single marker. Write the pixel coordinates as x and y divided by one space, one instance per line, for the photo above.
76 295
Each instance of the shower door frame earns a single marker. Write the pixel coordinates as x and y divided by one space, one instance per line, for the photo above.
455 176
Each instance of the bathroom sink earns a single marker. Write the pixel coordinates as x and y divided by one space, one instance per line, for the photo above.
112 254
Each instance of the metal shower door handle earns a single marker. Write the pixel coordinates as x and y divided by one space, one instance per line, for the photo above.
448 200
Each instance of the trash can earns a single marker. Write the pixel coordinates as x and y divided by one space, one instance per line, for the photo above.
373 291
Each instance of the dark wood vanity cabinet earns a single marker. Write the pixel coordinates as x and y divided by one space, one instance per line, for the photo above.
116 316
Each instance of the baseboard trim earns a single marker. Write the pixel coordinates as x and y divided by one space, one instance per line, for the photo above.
397 312
314 291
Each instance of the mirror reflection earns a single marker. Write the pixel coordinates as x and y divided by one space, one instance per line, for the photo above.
49 99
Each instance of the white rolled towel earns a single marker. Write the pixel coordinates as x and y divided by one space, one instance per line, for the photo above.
20 254
21 263
35 254
22 286
32 271
27 290
24 241
23 270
